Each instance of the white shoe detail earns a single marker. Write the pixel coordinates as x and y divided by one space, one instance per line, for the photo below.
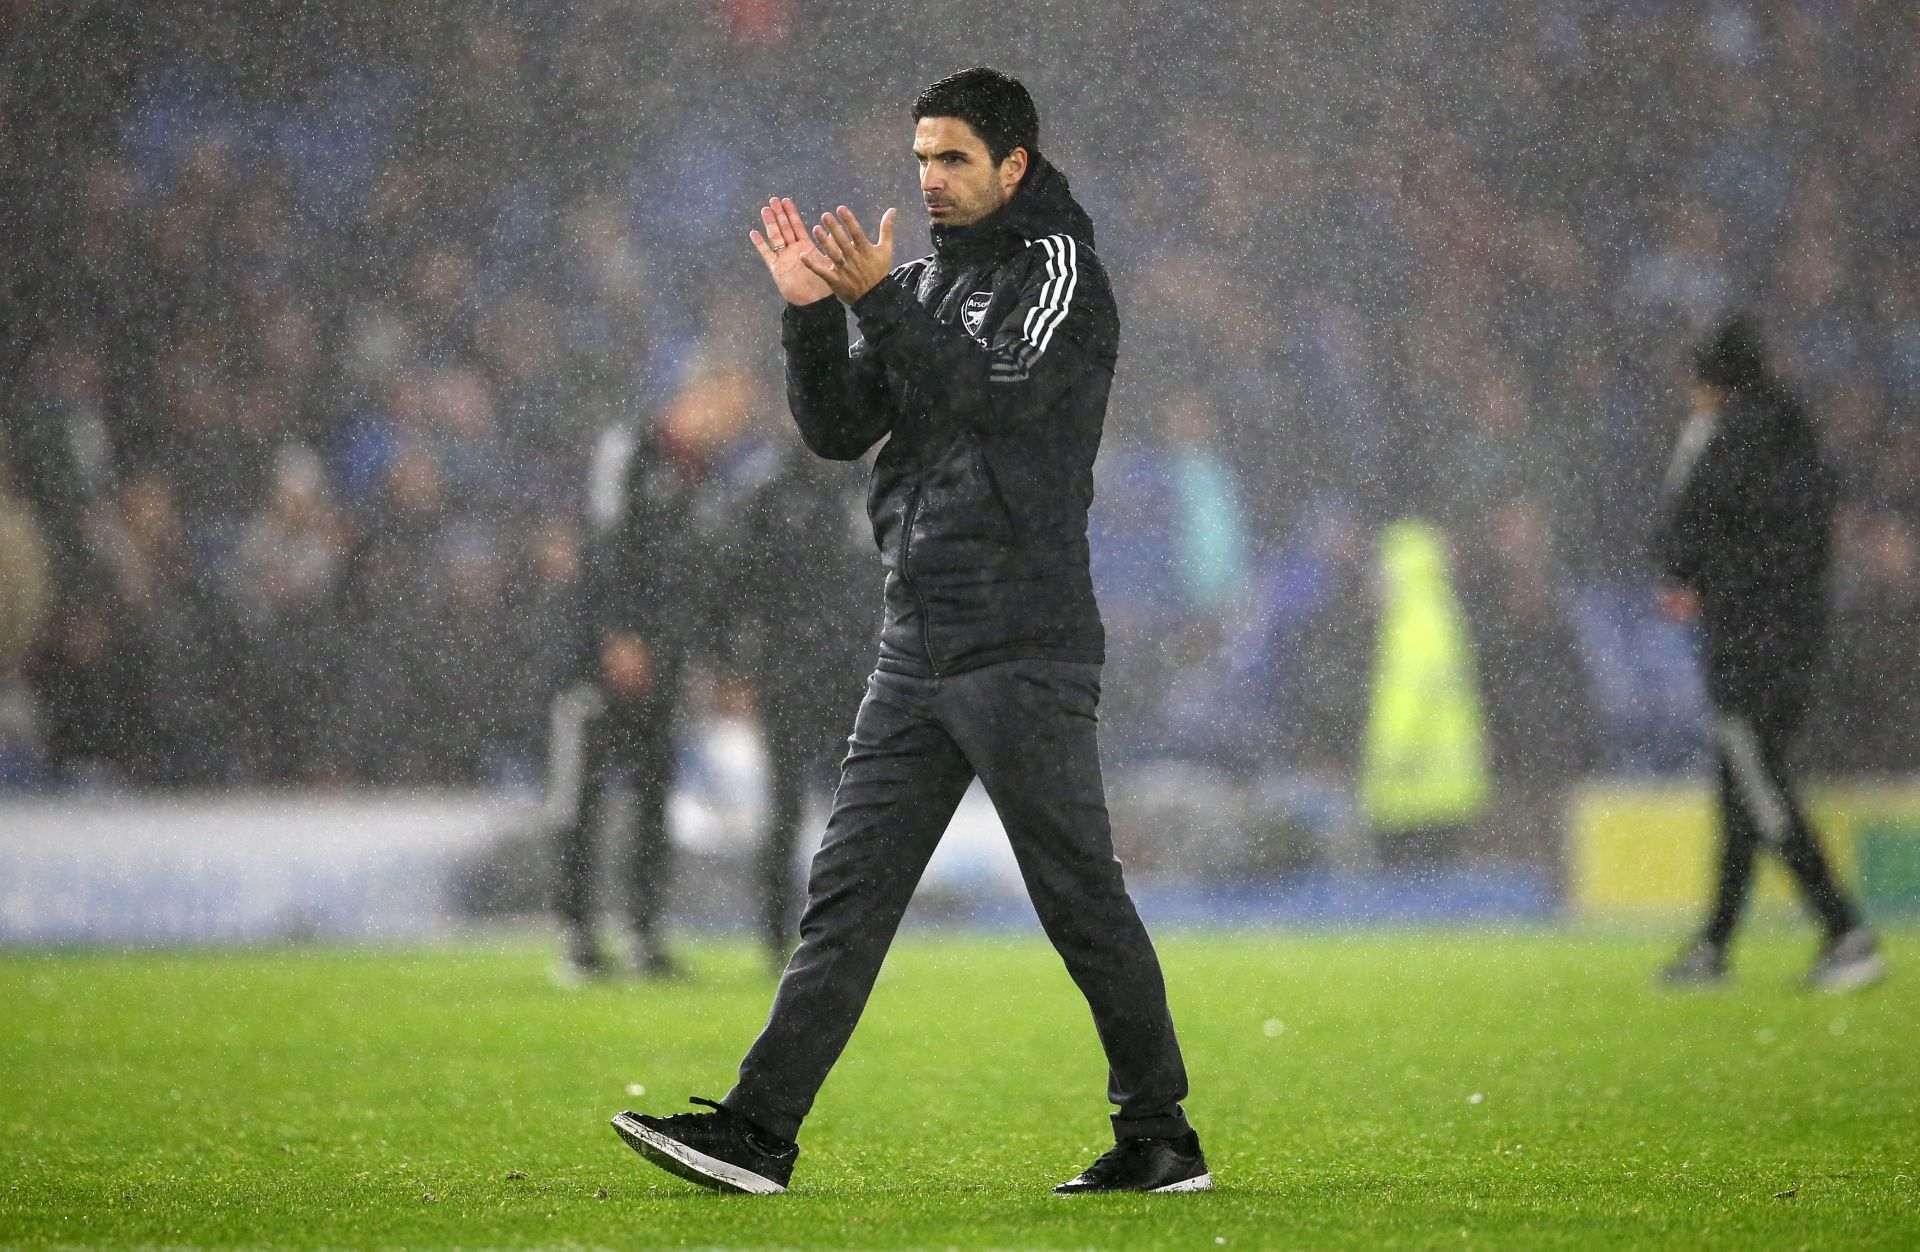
1855 974
1203 1183
654 1146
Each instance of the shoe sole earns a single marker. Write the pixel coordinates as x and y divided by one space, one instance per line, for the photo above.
1853 976
684 1162
1202 1182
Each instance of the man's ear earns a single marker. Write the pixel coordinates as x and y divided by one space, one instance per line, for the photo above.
1012 169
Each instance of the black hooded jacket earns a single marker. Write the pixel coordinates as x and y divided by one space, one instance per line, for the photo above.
986 368
1747 528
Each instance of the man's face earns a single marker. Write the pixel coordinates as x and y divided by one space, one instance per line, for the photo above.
958 177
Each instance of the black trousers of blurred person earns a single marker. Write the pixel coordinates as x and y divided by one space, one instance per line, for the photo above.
284 667
599 741
1753 728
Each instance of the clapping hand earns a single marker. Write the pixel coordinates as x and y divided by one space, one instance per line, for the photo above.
783 248
847 261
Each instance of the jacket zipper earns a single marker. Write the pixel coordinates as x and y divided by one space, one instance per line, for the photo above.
906 553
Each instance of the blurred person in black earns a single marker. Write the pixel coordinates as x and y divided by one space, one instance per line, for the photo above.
1542 732
470 677
65 465
1745 538
282 577
86 682
982 372
385 724
661 508
541 598
802 573
61 454
184 637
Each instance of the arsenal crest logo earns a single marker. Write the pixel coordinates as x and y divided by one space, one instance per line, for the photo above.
973 314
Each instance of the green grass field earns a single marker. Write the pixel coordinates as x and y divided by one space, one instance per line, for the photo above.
1369 1091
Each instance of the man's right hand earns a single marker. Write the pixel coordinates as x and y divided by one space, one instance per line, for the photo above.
785 242
626 665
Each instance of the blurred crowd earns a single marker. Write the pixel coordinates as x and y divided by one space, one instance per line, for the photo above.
314 313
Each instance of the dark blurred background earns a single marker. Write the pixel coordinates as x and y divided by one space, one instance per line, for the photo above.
313 312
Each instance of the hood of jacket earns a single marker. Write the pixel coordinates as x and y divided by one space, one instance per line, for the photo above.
1041 205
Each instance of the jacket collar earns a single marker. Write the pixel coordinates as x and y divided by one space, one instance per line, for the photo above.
1041 205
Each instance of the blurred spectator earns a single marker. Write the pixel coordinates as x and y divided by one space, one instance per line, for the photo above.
283 582
542 623
23 581
1174 562
25 590
467 682
1423 768
1450 275
190 649
1540 719
389 626
1324 714
1867 710
1208 512
61 457
802 567
458 424
86 686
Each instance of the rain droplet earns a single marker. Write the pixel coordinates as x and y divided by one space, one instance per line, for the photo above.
1273 1028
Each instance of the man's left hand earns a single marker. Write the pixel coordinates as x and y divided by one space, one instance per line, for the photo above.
847 261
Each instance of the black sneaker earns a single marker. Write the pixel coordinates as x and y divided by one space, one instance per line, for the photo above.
1848 963
652 960
1702 965
721 1149
1140 1164
579 963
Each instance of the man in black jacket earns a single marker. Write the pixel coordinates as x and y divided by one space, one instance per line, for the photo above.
661 505
985 367
1745 539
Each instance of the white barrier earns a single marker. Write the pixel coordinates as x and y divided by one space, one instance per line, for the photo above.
272 865
238 868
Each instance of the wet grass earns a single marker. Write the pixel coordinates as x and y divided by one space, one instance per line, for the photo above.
1365 1091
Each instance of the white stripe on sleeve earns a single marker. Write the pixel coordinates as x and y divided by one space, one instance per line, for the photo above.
1069 259
1050 309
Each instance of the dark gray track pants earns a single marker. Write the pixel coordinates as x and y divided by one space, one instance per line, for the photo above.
1027 729
1759 809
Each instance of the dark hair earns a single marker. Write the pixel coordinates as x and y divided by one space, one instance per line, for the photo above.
1731 357
994 104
